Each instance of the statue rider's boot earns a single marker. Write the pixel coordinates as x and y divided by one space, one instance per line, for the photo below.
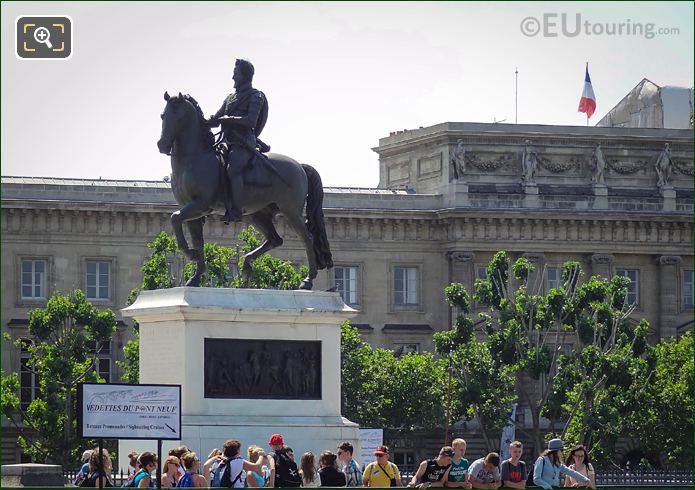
233 205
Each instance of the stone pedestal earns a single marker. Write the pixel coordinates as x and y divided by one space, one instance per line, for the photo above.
32 475
601 196
182 331
456 194
531 199
669 195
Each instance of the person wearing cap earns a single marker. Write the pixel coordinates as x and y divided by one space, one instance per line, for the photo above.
548 467
433 472
382 473
283 469
485 472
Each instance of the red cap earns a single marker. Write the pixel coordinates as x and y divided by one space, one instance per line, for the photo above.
276 440
381 450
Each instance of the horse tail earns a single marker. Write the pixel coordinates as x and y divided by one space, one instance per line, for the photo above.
315 221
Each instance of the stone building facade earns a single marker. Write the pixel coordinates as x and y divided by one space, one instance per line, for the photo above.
449 197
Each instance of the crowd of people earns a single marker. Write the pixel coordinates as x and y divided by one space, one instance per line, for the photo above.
228 468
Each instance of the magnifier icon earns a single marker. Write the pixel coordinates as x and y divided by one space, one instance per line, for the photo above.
43 36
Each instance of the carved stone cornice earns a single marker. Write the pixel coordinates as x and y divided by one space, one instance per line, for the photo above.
461 256
669 260
602 259
534 257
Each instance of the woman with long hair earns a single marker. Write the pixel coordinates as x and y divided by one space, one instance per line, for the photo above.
170 476
307 471
579 461
549 467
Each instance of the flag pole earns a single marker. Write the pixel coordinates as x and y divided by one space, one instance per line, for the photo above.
516 95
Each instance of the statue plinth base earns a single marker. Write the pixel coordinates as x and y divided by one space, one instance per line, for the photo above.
250 363
669 195
456 194
600 189
531 195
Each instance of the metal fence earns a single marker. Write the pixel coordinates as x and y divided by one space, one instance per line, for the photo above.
655 478
117 478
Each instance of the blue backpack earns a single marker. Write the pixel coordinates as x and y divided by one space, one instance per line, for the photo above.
220 475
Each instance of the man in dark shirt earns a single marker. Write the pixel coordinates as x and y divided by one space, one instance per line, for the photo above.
433 472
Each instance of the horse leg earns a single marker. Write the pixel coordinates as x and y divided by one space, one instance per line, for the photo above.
296 221
263 220
191 211
195 228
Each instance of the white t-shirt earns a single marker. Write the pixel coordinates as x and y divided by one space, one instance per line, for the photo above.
236 466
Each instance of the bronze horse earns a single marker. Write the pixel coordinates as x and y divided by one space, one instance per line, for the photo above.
198 182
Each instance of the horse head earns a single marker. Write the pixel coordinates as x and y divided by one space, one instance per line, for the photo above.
177 116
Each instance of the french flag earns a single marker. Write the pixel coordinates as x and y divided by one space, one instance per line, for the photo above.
587 103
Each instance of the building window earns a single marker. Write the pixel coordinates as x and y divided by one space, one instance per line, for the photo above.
405 348
28 381
98 279
481 273
688 289
633 287
33 279
346 283
103 352
405 285
552 277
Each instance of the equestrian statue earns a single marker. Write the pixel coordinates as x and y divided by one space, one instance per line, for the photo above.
237 177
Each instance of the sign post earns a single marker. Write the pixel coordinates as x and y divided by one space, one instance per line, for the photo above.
123 411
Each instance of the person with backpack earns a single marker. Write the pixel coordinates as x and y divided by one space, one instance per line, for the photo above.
99 470
143 478
283 470
232 468
548 467
191 478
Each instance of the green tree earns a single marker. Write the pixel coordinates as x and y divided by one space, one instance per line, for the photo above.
527 330
160 269
662 418
486 383
382 390
61 355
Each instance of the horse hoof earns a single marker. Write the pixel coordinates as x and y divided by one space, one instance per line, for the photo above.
193 282
307 284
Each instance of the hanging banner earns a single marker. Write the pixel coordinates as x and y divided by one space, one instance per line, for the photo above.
370 439
122 411
508 434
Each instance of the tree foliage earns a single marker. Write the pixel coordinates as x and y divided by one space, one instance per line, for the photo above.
569 346
67 335
380 389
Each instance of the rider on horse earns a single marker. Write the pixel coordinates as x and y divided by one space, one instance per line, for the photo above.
243 115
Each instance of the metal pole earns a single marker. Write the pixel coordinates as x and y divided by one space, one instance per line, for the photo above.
516 95
448 410
101 463
159 463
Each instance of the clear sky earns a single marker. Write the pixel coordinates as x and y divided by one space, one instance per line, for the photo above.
338 76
